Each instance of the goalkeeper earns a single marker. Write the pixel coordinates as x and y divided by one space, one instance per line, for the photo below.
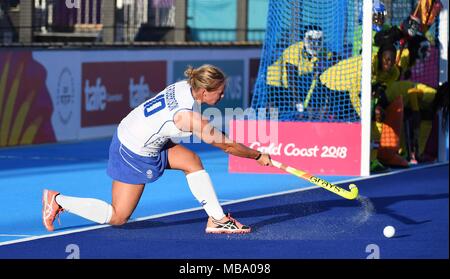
292 80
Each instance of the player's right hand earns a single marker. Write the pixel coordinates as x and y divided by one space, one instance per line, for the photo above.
265 160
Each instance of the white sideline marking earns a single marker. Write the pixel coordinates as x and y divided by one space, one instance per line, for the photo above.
16 235
225 203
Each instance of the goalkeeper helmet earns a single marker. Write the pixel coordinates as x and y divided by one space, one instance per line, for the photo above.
378 14
313 41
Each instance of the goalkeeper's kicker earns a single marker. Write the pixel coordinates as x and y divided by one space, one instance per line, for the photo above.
352 194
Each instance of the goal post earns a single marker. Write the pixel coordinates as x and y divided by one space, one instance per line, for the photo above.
366 87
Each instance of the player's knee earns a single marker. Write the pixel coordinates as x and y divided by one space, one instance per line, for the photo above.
118 219
195 164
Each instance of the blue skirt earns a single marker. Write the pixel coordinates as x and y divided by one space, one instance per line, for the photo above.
128 167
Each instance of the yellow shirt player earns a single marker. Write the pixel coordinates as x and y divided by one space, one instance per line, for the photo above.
301 55
346 75
293 77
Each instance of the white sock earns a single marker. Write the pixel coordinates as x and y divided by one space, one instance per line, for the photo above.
201 187
92 209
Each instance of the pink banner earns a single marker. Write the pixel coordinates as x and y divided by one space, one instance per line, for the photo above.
319 148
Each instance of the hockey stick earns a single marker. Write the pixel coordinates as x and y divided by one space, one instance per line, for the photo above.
310 91
351 195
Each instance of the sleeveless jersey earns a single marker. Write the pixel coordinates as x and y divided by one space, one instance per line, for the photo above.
148 127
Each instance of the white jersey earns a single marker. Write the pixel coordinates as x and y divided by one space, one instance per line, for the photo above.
148 127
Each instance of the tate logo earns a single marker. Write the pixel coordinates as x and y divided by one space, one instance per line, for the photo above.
139 92
95 96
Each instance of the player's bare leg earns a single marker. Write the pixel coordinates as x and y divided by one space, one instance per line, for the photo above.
125 198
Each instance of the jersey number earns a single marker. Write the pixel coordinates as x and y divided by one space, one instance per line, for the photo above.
154 105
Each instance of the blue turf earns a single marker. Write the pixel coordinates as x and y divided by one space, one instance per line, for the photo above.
79 169
307 224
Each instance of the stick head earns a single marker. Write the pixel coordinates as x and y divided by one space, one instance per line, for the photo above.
354 191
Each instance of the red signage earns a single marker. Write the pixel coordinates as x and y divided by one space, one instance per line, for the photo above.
318 148
110 90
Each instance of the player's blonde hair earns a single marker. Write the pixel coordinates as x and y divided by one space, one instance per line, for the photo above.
206 76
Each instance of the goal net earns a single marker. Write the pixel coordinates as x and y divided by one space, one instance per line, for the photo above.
304 39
